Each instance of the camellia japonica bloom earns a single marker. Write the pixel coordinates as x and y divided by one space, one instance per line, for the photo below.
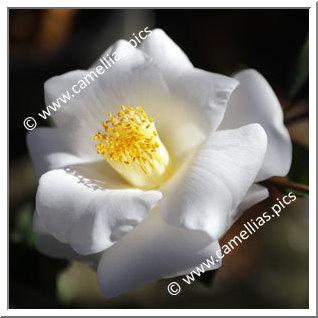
149 165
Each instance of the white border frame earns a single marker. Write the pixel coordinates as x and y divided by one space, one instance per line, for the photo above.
312 162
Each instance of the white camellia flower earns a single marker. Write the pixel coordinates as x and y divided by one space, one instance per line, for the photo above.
162 191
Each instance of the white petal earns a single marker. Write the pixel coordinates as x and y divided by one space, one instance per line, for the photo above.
152 251
197 100
86 104
204 193
254 101
206 96
38 225
50 150
165 53
129 56
184 113
79 211
51 247
255 194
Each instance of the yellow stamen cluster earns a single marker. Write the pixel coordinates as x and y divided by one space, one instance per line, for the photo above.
130 143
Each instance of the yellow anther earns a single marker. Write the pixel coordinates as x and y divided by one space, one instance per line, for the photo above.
134 148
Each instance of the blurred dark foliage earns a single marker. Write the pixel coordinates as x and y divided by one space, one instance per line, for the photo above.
44 43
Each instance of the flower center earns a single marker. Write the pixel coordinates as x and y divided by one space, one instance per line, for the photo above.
131 145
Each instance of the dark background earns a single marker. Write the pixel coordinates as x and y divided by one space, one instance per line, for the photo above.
271 270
